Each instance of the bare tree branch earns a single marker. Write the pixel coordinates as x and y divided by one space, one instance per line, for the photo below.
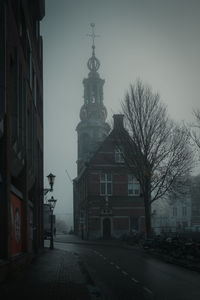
195 128
155 148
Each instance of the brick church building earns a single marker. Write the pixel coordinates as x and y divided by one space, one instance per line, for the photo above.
107 197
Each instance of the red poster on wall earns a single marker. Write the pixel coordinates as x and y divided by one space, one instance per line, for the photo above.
16 225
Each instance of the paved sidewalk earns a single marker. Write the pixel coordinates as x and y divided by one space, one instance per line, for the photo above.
55 274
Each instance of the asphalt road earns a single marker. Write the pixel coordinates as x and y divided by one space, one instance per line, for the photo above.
116 273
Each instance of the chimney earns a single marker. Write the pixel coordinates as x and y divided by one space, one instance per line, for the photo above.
118 122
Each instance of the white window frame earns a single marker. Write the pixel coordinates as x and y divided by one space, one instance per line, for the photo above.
106 180
134 184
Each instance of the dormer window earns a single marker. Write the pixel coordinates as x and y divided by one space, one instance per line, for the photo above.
119 155
133 186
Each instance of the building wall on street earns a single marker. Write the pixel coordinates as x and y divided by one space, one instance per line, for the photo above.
179 213
106 216
176 217
195 209
21 127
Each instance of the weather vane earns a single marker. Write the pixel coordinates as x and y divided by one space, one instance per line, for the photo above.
93 35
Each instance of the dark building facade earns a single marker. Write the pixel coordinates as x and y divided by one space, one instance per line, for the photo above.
21 129
107 197
195 203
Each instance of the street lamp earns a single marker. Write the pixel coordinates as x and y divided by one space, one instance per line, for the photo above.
52 204
51 179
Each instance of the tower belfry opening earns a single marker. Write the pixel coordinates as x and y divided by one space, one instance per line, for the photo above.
92 128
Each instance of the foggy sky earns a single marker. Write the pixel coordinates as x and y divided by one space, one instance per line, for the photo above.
157 41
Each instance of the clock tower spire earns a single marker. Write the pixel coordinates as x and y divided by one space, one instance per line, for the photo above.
92 128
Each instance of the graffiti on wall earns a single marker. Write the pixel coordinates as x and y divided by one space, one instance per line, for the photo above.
16 225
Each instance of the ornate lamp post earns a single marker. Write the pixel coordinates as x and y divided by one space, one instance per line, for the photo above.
52 204
51 179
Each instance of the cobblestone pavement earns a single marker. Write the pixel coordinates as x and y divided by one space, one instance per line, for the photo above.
55 274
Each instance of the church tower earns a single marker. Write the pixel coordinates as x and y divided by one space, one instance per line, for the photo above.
92 129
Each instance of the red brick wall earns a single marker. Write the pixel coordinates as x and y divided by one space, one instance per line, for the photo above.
129 212
104 157
94 211
121 223
94 183
120 189
94 224
104 161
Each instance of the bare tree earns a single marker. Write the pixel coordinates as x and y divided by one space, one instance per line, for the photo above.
155 148
195 131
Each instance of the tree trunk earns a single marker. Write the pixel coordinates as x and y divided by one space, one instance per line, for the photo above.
148 218
147 201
